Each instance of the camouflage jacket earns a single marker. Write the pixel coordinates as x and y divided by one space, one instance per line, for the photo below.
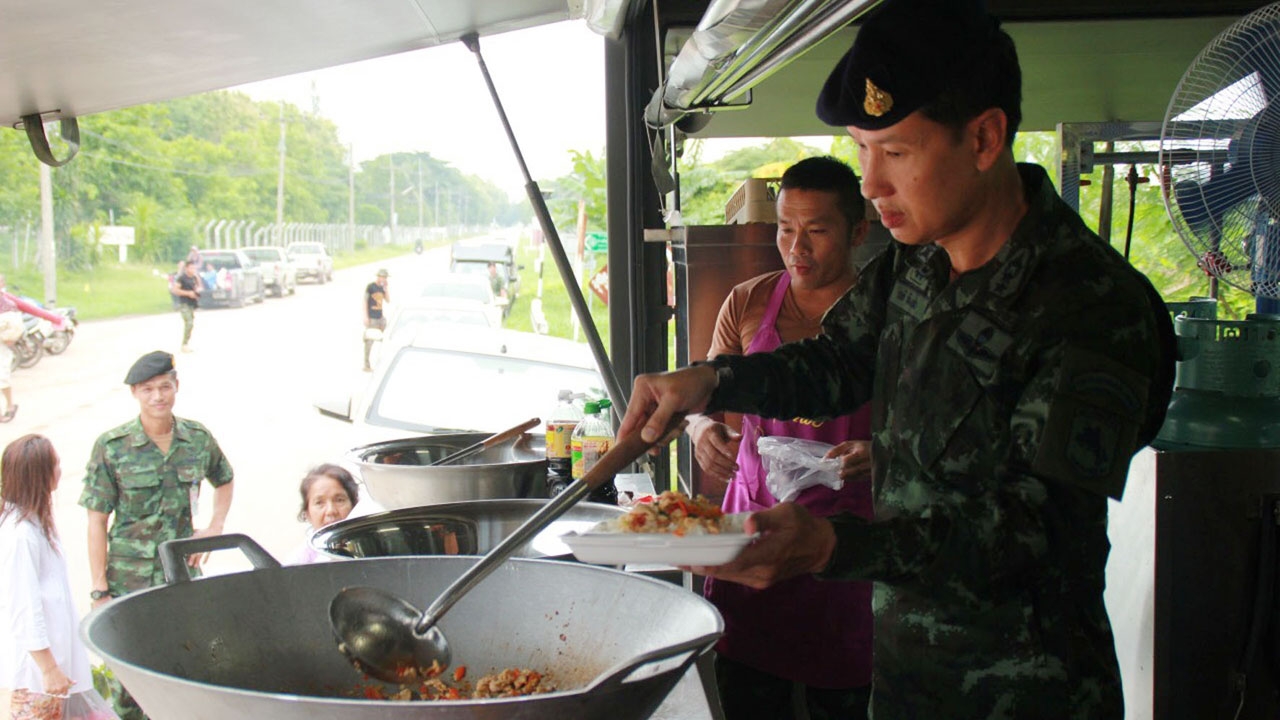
149 493
1006 405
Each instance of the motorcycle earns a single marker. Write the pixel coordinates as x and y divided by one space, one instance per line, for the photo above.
57 340
29 348
417 247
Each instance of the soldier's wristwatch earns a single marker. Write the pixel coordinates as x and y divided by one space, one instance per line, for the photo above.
99 594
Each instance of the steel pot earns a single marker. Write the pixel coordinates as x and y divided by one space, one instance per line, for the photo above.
465 528
397 473
259 645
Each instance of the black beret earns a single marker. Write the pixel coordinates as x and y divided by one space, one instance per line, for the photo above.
905 54
148 366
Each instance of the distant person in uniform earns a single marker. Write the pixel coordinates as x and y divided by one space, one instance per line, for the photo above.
497 283
144 477
375 297
1004 413
187 290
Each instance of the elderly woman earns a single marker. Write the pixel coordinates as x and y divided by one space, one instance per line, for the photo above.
45 656
328 494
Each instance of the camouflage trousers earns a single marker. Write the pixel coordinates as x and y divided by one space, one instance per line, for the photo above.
750 694
188 314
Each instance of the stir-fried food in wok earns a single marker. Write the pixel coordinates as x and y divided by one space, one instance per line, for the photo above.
672 512
511 682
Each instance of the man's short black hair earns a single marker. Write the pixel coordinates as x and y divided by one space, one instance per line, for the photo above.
832 175
992 80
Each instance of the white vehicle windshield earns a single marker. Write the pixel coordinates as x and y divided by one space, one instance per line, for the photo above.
263 255
439 390
478 291
408 321
305 250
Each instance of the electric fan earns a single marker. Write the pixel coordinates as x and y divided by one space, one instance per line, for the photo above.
1220 160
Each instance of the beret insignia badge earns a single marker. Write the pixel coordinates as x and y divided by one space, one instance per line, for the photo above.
877 102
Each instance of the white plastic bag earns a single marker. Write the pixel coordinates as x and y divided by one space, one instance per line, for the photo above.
792 465
89 705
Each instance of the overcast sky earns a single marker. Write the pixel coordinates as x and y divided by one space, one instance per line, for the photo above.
550 80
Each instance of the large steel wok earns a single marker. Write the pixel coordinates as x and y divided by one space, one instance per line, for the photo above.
259 644
463 528
399 474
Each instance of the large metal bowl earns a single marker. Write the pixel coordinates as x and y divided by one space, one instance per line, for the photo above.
259 645
397 473
465 528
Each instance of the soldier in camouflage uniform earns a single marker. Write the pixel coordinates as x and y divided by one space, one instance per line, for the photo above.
1014 363
147 473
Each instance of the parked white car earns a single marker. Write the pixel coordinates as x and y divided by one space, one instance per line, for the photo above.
456 378
463 286
408 317
311 260
278 273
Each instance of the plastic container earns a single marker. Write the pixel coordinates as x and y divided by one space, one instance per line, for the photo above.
560 427
591 440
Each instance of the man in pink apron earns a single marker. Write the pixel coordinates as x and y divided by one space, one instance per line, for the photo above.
803 632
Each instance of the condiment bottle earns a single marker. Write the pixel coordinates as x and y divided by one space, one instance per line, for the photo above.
560 426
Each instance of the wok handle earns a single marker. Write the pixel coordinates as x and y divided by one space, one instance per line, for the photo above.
491 441
614 677
174 553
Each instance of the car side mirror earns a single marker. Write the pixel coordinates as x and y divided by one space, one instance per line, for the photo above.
338 409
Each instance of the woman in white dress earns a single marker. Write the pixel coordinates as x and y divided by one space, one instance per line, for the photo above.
45 655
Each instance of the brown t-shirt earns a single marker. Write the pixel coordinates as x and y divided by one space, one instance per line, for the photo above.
742 311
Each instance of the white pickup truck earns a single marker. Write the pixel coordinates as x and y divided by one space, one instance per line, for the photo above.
312 261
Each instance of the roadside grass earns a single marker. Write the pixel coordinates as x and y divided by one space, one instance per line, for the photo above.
555 298
112 289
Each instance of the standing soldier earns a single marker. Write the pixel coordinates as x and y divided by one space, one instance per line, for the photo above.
1004 414
187 290
147 473
375 296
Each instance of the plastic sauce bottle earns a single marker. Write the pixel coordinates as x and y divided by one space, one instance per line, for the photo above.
592 439
560 426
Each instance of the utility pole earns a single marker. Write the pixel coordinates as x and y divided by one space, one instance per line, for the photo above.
351 196
419 193
437 213
280 177
47 258
391 162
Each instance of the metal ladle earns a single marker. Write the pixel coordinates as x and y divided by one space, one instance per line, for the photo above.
387 638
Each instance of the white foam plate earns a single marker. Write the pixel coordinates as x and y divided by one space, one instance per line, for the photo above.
615 548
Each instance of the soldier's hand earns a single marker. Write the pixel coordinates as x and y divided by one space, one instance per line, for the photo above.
855 458
715 445
792 542
198 559
656 397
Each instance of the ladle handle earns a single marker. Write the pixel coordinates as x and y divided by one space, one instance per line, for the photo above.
491 441
623 453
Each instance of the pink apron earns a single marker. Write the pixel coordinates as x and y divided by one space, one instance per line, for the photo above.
806 630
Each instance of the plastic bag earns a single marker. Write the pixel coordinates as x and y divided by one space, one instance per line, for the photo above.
31 705
792 465
89 705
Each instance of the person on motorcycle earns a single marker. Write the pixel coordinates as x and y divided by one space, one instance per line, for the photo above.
11 330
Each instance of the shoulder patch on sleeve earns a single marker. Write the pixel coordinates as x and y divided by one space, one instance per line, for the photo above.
1091 431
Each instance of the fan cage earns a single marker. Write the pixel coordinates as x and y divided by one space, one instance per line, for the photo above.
1225 203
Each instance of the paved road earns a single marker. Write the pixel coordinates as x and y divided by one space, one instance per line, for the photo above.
252 378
